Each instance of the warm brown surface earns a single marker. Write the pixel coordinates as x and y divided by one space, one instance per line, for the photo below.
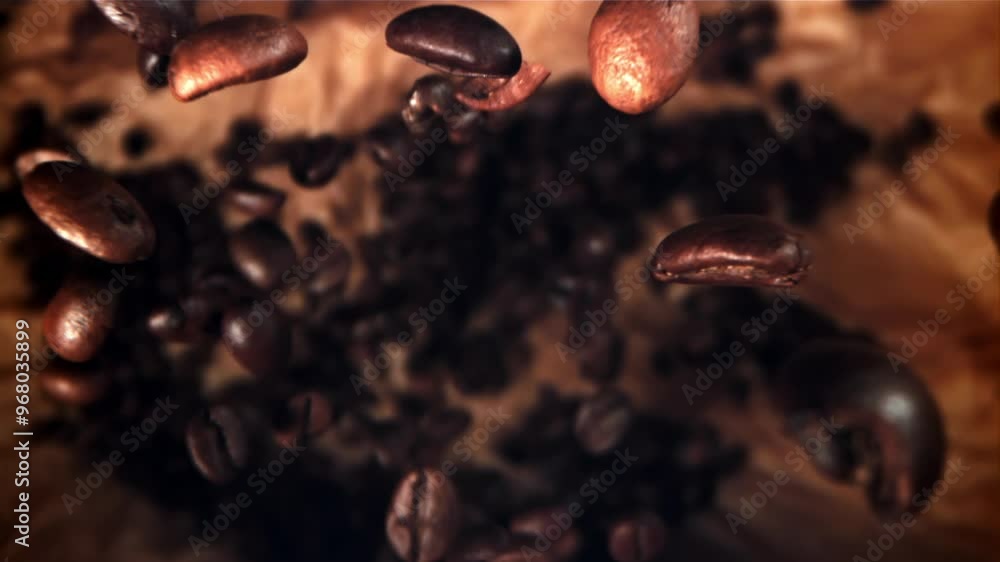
943 59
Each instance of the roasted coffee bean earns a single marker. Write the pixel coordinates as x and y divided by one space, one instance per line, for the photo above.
642 52
464 124
424 516
86 114
388 141
510 93
90 211
263 347
334 270
733 250
600 359
152 68
81 315
136 142
314 162
431 97
254 199
218 443
75 385
306 415
262 253
602 421
231 51
637 539
534 524
898 434
456 40
27 161
156 25
195 316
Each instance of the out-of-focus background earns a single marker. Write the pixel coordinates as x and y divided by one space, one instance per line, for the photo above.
880 65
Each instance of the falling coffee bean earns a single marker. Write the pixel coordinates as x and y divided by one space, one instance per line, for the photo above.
732 250
80 317
156 25
642 52
262 253
152 68
254 199
602 421
90 211
637 539
75 385
218 443
314 162
511 93
262 347
231 51
456 40
424 516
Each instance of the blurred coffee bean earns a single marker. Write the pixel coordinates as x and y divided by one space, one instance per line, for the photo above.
464 124
260 341
234 50
424 516
218 443
602 421
478 364
75 385
732 250
136 142
314 162
152 68
90 211
640 538
334 270
306 415
86 114
254 199
156 25
991 119
27 161
511 93
642 52
431 94
195 316
262 253
600 359
456 40
388 142
534 524
82 314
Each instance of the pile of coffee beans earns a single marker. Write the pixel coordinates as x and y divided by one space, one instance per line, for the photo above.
515 218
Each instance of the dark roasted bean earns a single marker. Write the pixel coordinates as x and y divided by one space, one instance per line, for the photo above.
509 94
424 516
231 51
733 250
86 114
306 415
314 162
262 253
195 316
334 270
254 199
77 385
601 421
642 52
637 539
90 211
152 68
262 347
600 358
80 317
534 524
218 443
456 40
156 25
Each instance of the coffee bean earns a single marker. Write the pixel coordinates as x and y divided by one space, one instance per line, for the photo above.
456 40
314 162
76 385
86 114
388 141
733 250
430 97
262 253
195 316
333 272
424 516
218 443
600 359
254 198
156 25
306 415
136 142
637 539
507 95
231 51
642 52
90 211
534 524
27 161
152 68
80 317
262 343
602 421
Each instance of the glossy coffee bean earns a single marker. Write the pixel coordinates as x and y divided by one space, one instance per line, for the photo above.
234 50
898 435
642 52
195 316
254 199
156 25
28 161
306 415
602 421
733 250
637 539
262 253
456 40
90 211
334 270
75 385
80 317
314 162
218 443
263 347
510 93
152 68
424 516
